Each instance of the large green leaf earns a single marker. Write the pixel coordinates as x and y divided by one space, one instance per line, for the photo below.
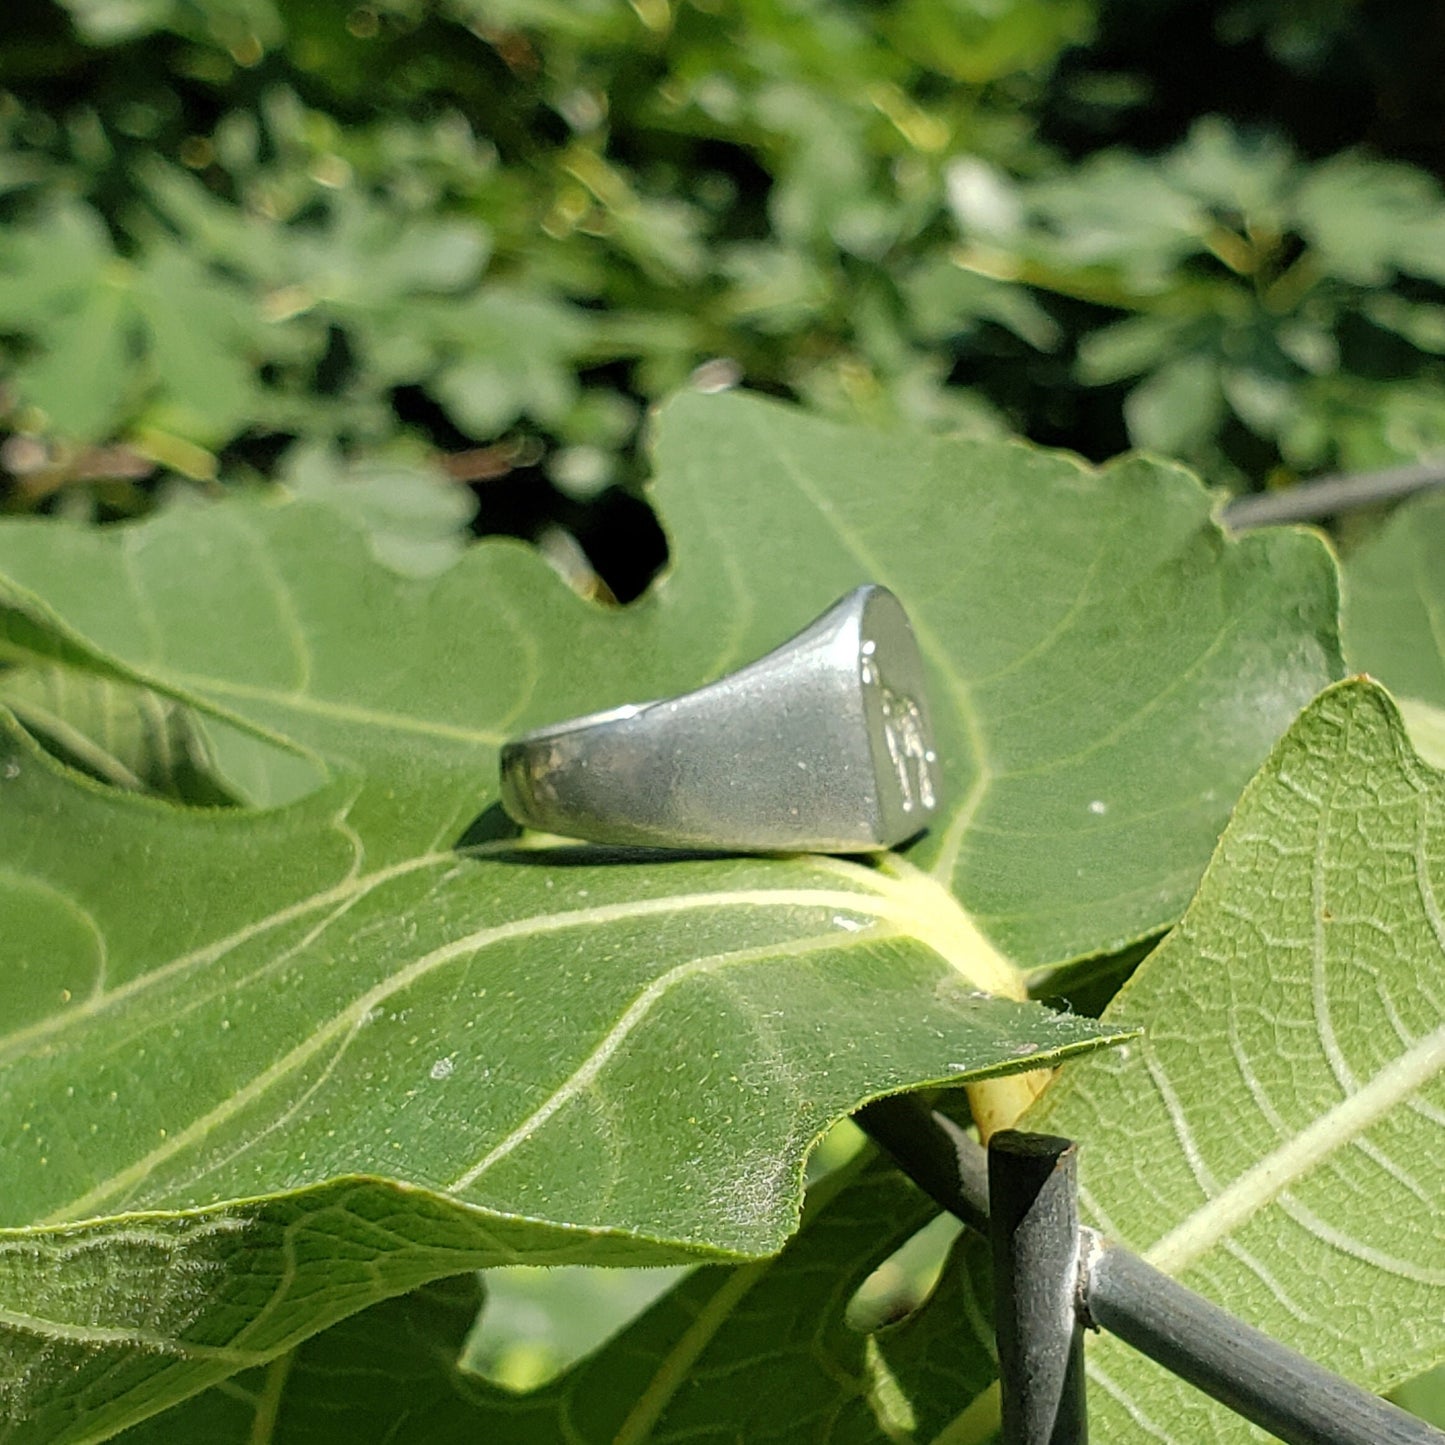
1109 669
333 1009
759 1351
1274 1139
1394 615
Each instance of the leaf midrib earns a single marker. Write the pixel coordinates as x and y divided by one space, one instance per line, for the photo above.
1299 1156
1360 1107
189 685
602 1053
146 1340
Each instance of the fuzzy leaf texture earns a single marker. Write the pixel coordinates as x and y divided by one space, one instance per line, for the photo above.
265 1065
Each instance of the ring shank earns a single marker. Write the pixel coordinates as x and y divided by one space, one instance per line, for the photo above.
821 746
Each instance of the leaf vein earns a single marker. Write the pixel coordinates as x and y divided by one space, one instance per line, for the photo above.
1270 1176
582 1077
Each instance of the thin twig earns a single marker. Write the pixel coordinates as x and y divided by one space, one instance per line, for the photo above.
1329 496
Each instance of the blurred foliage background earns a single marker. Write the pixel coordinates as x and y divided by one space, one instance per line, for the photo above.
444 255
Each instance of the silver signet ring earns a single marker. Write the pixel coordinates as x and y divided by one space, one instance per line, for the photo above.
822 746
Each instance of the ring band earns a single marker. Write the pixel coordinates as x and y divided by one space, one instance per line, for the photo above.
824 745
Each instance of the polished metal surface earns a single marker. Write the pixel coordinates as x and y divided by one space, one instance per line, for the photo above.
824 745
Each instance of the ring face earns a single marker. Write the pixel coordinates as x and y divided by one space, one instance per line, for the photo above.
824 745
899 729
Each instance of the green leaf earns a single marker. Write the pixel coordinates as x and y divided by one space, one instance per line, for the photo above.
94 316
1178 407
365 258
1243 173
761 1350
1091 753
431 255
46 268
1424 1397
1264 397
1117 209
508 1053
773 288
201 333
945 300
1394 614
515 356
1128 347
390 1369
82 381
1274 1137
416 515
1421 323
1368 218
106 22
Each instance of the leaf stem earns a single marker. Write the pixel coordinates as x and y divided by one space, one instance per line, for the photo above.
999 1103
